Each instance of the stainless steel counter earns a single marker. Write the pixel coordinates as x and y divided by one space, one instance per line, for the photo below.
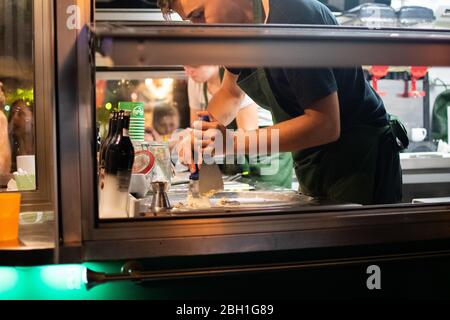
425 160
36 242
426 175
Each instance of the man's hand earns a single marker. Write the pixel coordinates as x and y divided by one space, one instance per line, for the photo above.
210 136
184 148
206 140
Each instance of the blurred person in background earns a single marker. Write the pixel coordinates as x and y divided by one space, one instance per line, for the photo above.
166 120
5 148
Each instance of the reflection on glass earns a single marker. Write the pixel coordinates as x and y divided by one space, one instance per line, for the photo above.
165 103
17 143
383 117
366 13
416 95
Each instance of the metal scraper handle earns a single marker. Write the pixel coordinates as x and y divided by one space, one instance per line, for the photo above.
196 175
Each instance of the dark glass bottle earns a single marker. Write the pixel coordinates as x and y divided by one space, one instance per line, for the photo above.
118 164
113 120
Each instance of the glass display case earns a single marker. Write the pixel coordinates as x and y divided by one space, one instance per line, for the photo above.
274 46
26 108
27 132
101 64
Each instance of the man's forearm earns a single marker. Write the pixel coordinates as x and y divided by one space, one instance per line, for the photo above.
318 126
293 135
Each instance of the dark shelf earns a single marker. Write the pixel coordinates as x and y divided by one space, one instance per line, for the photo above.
36 242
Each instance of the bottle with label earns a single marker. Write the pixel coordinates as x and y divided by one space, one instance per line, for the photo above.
113 121
118 164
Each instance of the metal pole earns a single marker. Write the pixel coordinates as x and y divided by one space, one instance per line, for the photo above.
74 96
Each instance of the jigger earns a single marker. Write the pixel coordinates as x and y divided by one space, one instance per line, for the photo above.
160 202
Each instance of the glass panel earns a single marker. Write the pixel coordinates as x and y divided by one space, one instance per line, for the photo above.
160 96
359 167
427 14
17 107
417 96
125 4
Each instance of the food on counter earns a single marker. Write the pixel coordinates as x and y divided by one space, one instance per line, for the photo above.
194 203
201 202
204 202
240 200
228 203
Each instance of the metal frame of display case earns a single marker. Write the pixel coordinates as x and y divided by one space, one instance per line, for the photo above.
74 95
43 198
38 230
85 237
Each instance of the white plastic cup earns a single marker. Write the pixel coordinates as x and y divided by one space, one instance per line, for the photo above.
139 185
27 164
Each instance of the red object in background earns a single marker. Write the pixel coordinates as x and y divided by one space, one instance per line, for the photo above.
100 93
377 73
416 74
144 161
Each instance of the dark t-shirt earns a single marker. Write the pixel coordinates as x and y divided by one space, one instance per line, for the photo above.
296 89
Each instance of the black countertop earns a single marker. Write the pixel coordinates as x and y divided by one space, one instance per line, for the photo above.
36 242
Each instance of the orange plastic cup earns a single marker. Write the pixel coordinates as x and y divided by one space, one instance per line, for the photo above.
9 216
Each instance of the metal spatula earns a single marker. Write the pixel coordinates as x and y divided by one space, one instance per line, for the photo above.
208 178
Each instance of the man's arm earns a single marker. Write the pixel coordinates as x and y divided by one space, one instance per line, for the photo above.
225 104
319 125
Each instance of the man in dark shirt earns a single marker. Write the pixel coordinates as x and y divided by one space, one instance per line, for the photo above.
331 119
